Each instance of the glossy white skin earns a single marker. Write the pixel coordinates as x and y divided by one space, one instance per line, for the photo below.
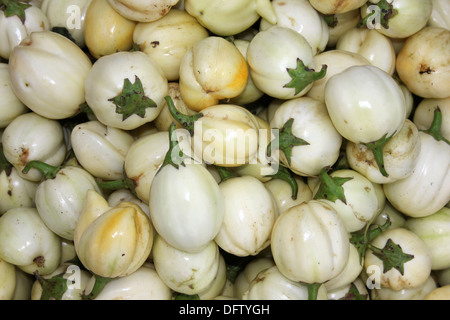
24 282
282 193
270 53
416 270
440 14
217 285
336 6
424 114
60 200
250 212
365 200
250 271
186 206
309 243
416 293
16 191
373 107
10 105
271 284
372 45
13 30
400 155
143 284
77 280
312 124
7 280
33 137
440 293
184 272
105 81
166 40
112 241
226 18
24 237
141 10
412 16
422 63
101 149
344 21
68 14
426 190
211 70
303 18
44 65
349 274
226 135
340 293
396 218
251 93
337 61
120 195
143 161
434 231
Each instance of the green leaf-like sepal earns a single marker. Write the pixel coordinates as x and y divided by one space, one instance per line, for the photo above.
14 8
53 288
435 128
286 140
132 100
377 149
392 256
330 188
302 76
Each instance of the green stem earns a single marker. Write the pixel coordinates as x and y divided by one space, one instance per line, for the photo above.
302 76
174 155
123 183
187 122
361 240
48 171
435 128
285 174
100 283
225 173
377 149
313 290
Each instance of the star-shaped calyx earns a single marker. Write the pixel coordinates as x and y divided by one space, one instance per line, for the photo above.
132 100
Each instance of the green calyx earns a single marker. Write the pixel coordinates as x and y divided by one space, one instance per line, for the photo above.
392 256
302 76
48 171
286 141
186 122
377 149
382 12
99 284
354 294
53 288
132 100
14 8
330 188
285 174
435 128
